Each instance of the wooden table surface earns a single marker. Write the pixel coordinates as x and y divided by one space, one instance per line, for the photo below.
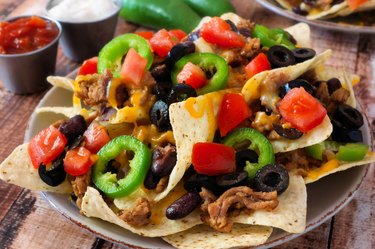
28 221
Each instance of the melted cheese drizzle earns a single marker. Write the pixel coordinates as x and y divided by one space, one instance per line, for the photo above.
327 167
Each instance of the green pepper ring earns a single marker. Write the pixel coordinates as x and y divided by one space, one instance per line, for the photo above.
111 54
139 165
271 37
207 61
258 142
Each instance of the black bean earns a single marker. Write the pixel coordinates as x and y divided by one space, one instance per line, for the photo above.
177 52
272 177
151 180
74 127
348 116
159 115
181 92
235 179
296 83
163 160
183 206
245 32
280 56
163 89
291 133
161 73
56 174
303 54
243 156
333 85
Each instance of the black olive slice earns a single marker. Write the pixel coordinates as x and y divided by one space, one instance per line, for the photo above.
342 134
197 181
235 179
291 133
296 83
333 84
76 142
181 92
272 177
233 26
243 156
348 116
280 56
303 54
56 174
177 52
159 115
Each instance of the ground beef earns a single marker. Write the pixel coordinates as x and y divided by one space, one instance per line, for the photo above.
139 215
242 197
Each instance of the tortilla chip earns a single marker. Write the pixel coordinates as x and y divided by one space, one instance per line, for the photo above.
17 169
205 237
62 82
290 215
66 111
301 33
370 158
93 205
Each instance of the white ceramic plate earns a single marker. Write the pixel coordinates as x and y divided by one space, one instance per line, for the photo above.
325 197
343 24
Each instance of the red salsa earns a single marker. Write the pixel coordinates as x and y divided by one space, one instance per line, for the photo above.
26 34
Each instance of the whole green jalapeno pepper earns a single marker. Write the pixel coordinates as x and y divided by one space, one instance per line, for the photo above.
209 63
258 143
106 181
168 14
110 57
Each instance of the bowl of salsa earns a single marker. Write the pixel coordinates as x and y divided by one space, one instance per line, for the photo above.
28 51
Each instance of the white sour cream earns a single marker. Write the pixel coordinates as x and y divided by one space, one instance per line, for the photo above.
83 10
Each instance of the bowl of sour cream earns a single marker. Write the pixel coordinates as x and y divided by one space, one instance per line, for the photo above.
87 25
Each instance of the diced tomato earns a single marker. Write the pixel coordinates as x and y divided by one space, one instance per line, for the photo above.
96 137
162 42
217 31
89 66
178 34
192 75
213 159
232 112
78 161
259 64
145 34
133 68
46 146
354 4
301 109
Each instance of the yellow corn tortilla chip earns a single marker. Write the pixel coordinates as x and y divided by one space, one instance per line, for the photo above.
17 169
62 82
370 158
205 237
93 205
68 112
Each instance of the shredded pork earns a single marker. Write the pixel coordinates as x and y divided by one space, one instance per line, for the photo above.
79 184
139 215
217 214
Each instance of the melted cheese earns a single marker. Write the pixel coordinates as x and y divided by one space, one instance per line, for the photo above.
149 134
325 168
